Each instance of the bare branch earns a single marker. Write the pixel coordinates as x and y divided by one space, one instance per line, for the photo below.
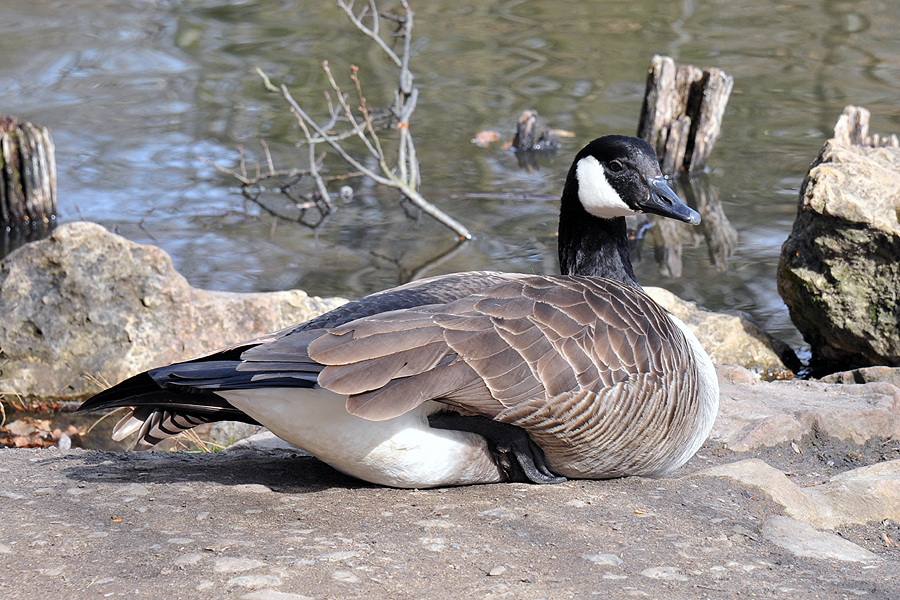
373 32
403 176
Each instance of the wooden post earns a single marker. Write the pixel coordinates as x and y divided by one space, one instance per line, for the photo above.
682 113
27 177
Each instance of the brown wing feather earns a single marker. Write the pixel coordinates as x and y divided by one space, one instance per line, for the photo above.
507 352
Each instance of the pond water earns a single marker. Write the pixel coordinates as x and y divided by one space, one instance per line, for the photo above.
135 91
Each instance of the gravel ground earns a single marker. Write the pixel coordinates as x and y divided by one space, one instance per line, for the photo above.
275 525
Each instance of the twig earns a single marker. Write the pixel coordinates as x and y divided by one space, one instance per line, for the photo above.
404 175
373 32
387 177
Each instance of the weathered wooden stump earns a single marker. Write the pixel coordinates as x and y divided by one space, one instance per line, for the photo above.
682 113
27 176
27 183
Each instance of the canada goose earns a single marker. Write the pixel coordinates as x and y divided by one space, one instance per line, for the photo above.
475 377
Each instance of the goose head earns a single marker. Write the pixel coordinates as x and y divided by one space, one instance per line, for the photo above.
612 177
617 176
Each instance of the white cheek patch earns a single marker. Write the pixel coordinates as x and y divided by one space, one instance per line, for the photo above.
596 195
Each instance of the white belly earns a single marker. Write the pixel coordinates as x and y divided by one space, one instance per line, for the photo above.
401 452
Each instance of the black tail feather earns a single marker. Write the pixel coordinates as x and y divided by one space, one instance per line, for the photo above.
142 391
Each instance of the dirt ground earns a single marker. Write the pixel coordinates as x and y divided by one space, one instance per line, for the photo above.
274 525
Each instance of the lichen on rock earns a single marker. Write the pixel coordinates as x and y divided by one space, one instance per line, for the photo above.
839 272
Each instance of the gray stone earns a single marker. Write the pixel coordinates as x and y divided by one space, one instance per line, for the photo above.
838 272
866 494
227 433
770 481
254 581
85 305
266 441
730 338
338 556
669 573
236 564
865 375
757 414
272 595
603 560
801 539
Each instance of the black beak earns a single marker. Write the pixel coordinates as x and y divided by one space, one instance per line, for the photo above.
664 202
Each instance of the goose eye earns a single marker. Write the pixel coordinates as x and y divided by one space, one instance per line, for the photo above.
615 166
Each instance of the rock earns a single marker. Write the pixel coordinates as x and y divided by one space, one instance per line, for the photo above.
772 482
254 581
866 494
670 573
866 375
85 305
604 560
265 441
764 414
856 497
236 564
802 540
730 338
838 272
272 595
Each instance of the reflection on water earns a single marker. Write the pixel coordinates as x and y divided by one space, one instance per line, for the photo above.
135 91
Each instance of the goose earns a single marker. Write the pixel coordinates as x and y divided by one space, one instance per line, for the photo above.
475 377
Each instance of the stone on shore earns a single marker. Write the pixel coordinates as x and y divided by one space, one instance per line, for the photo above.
86 306
802 540
759 414
858 496
839 274
730 337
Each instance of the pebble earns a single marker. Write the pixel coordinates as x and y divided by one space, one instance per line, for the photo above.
236 564
336 556
433 544
497 571
604 560
188 559
345 577
801 539
273 595
669 573
180 541
253 581
499 513
133 489
442 523
253 488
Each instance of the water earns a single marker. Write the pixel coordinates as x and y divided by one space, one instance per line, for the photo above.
136 91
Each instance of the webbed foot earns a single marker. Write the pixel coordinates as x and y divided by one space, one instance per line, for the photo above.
521 459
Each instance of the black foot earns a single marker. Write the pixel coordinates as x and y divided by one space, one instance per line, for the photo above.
521 459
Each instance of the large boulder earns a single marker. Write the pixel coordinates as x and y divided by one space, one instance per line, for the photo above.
839 272
85 307
730 337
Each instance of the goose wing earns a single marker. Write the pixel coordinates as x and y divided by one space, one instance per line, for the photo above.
525 340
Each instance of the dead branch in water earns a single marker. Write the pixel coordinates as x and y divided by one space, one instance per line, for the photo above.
398 169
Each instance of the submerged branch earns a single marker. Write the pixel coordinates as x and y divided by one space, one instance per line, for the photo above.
404 174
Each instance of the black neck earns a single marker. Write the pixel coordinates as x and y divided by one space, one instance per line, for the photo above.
590 246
